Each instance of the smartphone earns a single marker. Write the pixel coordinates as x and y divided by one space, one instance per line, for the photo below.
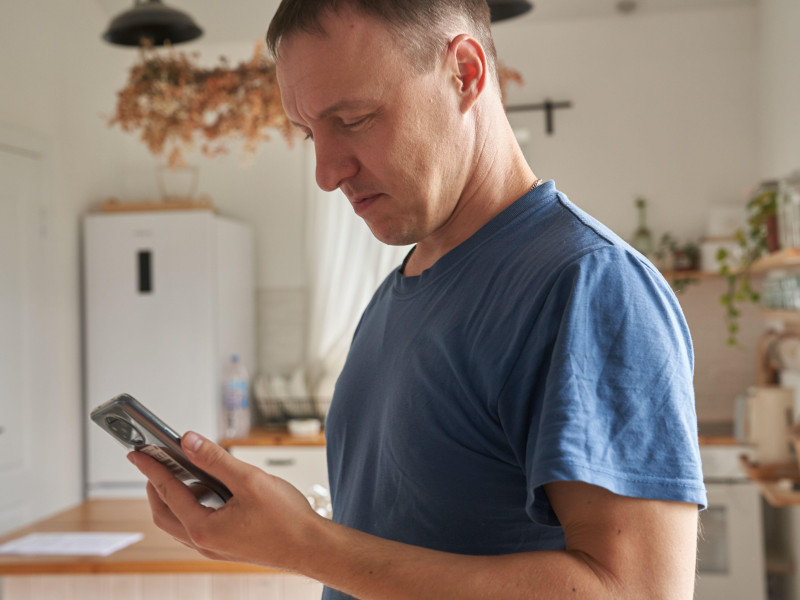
135 427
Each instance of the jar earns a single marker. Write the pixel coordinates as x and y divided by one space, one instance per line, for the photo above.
788 211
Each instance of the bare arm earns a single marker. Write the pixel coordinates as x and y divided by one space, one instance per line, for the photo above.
617 547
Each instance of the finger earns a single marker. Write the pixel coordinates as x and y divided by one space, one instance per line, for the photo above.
215 460
170 524
176 497
163 516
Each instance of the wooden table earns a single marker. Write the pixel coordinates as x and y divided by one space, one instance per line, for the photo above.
155 568
157 552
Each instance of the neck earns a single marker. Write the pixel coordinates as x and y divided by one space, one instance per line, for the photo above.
499 176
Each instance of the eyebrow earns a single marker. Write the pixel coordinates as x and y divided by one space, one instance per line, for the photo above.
337 107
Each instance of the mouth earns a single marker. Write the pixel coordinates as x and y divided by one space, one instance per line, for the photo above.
362 203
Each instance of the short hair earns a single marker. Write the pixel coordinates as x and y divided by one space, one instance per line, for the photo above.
422 24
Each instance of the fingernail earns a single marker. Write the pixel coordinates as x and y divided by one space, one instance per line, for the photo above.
192 441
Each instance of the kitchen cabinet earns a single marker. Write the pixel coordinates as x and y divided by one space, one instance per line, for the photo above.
299 460
778 483
302 467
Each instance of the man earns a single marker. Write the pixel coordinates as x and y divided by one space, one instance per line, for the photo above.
515 418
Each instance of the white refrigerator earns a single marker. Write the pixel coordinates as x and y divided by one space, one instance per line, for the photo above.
168 298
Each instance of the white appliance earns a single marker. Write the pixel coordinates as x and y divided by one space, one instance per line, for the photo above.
731 557
168 297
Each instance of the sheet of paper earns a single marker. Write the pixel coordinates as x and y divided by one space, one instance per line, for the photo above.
70 543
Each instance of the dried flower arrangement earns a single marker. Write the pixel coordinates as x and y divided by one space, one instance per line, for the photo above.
169 99
506 76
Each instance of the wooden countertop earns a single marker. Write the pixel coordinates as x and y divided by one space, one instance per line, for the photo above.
718 440
273 437
157 552
716 433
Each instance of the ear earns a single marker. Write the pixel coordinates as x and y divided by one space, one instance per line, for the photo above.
470 69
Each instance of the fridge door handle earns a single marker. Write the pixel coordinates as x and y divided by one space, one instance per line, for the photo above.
145 271
280 462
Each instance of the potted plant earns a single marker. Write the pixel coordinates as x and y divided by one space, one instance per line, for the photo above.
679 260
759 237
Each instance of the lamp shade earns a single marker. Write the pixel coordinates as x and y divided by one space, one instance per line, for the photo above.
153 21
506 9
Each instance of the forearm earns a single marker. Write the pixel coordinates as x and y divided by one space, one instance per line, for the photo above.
371 568
617 547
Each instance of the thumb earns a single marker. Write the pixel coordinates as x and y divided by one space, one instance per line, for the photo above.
212 458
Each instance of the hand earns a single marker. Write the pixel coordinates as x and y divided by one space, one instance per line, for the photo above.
266 522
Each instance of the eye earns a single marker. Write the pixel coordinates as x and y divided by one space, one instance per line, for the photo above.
355 124
305 131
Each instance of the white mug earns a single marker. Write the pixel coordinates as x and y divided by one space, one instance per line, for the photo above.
768 416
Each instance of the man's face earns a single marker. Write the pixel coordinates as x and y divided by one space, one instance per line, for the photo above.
387 136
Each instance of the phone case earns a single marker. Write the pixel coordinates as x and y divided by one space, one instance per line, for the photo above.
135 427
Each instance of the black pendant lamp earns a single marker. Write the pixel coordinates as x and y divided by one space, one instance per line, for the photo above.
154 22
506 9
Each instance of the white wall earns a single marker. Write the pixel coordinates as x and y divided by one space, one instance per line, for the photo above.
779 87
53 82
663 106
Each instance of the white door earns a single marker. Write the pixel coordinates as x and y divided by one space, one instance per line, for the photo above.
24 323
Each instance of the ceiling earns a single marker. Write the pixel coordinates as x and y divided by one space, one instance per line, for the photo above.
246 20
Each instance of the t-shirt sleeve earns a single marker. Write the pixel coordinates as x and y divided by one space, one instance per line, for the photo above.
617 406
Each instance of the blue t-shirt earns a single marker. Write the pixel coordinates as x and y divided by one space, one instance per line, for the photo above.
541 349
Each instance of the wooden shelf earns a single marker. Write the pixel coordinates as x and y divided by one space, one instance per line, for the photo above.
787 317
779 483
671 275
782 259
116 206
701 275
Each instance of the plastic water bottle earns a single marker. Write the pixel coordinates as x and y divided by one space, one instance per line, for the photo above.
235 399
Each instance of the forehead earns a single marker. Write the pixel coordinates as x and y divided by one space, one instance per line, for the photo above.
354 53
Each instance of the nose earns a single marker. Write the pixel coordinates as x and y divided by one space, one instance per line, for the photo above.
335 162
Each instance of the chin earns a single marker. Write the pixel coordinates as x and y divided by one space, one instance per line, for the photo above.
391 236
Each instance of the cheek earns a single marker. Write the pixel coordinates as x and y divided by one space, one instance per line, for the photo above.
416 150
420 149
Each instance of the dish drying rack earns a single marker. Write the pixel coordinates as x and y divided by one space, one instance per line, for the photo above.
275 410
